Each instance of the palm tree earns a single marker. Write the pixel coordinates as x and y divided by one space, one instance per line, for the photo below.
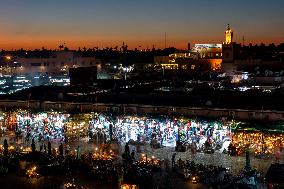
61 47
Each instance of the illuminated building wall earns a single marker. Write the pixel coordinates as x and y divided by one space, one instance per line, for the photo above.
170 66
201 54
207 51
180 55
192 64
215 64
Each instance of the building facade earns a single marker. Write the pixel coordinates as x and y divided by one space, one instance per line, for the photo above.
208 55
55 65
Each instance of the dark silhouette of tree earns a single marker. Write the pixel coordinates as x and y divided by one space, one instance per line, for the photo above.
61 47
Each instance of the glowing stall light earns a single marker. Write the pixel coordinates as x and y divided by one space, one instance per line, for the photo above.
60 80
21 81
258 142
21 77
243 88
31 173
40 125
129 186
2 82
8 57
53 125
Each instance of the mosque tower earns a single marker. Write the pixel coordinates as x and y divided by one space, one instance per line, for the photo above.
228 46
229 35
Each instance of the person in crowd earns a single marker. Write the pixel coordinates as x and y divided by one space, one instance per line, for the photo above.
44 148
126 149
33 146
133 155
78 153
67 150
180 163
49 147
173 160
61 149
40 148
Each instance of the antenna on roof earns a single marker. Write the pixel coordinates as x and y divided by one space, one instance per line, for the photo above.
165 40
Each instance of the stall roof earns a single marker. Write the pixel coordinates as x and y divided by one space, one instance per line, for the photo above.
263 127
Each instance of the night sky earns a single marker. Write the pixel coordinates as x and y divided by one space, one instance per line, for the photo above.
102 23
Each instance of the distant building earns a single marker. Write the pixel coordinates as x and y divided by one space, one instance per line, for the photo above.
208 51
252 58
228 46
161 59
208 55
230 51
55 65
83 76
166 62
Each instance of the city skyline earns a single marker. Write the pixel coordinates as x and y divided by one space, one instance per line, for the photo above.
33 24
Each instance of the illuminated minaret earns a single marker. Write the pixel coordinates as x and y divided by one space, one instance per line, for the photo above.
228 47
229 35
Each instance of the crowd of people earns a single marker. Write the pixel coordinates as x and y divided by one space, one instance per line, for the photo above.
34 133
157 131
215 176
262 144
170 131
102 165
40 126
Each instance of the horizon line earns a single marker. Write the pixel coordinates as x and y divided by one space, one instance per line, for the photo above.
119 46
